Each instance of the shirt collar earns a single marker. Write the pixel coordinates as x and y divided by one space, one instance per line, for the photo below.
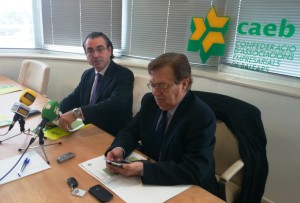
172 111
103 71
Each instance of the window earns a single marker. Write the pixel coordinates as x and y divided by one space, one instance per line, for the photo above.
263 36
66 23
16 24
158 26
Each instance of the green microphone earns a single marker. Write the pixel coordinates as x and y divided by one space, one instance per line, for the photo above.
50 112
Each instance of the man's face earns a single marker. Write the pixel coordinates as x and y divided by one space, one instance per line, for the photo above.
97 53
166 91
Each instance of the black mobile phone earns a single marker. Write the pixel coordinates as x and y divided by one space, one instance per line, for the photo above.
33 112
117 163
100 193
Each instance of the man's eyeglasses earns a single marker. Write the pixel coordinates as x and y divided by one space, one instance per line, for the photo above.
99 50
161 86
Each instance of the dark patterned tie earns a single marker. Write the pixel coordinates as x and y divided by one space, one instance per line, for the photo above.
159 133
96 88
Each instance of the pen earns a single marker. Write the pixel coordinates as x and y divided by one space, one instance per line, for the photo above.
25 163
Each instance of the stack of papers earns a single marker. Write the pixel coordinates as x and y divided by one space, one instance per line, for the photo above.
130 189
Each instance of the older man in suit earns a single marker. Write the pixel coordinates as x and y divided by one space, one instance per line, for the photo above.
104 94
175 127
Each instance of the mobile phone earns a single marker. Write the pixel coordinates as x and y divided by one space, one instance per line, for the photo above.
65 157
117 163
33 112
99 192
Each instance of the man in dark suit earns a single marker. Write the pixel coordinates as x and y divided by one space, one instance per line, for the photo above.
104 94
185 153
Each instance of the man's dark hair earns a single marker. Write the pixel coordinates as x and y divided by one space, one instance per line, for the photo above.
178 62
94 35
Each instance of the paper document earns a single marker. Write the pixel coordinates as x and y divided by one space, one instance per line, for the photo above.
130 189
4 120
76 125
55 132
4 89
36 164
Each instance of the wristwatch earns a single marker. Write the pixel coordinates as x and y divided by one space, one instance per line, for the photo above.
76 112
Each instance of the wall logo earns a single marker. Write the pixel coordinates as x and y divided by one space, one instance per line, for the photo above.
269 30
265 54
207 35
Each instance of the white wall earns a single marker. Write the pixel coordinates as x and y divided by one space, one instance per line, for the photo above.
280 115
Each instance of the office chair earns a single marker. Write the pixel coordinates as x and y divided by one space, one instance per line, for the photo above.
139 90
244 121
228 163
35 75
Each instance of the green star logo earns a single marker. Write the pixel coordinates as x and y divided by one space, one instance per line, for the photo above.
207 35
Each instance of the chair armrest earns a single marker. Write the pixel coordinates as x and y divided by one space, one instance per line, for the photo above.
227 175
232 170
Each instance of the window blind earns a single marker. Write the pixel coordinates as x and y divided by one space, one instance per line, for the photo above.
68 22
268 48
158 26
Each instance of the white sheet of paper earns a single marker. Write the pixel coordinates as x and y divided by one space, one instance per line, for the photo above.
36 164
130 189
76 125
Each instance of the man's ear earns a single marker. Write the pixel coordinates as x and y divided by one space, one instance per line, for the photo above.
109 49
185 83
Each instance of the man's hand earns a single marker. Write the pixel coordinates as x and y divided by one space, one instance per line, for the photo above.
66 120
116 154
128 169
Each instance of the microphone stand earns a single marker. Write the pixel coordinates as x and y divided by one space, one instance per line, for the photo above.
41 145
22 129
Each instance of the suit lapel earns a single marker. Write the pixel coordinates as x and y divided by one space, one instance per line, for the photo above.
89 80
156 115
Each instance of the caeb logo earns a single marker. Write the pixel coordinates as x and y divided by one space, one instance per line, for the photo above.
269 30
207 36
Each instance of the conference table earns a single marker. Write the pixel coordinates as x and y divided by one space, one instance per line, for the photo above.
51 185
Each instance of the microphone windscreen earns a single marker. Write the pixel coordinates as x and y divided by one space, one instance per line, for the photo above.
27 97
20 109
51 111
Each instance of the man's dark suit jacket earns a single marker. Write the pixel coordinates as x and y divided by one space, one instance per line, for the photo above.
187 155
113 108
244 120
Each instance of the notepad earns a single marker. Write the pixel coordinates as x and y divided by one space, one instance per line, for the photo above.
54 133
37 164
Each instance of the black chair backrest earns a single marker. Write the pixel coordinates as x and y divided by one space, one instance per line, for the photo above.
244 120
